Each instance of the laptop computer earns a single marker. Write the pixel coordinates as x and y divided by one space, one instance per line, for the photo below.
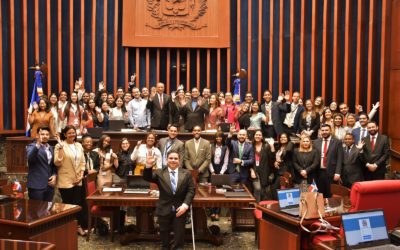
116 125
366 230
136 185
289 201
220 180
95 132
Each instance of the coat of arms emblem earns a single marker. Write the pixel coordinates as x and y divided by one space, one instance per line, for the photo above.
177 14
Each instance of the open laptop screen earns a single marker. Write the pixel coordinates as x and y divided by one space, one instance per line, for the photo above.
364 227
288 197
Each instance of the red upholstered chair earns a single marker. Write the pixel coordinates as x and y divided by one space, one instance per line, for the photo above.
98 211
380 194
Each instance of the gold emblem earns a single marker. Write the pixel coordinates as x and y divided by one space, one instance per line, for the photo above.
177 14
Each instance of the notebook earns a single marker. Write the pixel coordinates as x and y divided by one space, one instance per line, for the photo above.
116 125
289 201
366 230
136 185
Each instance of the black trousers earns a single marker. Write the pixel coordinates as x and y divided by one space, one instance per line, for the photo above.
269 131
324 182
76 196
170 223
289 131
45 194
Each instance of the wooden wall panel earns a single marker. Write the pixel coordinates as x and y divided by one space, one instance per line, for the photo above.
361 53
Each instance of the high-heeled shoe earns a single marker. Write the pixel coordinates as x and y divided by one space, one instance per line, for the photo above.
81 232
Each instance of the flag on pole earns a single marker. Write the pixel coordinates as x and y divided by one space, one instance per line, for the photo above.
313 187
37 92
236 91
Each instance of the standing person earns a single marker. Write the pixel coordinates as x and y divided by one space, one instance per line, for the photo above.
270 109
330 152
159 105
92 158
138 112
42 172
305 162
361 132
352 162
194 111
72 113
229 109
176 194
198 155
91 117
41 117
216 114
125 163
53 103
70 161
171 143
178 120
294 112
282 162
108 161
241 156
263 155
310 121
338 129
119 111
256 117
141 151
62 102
375 153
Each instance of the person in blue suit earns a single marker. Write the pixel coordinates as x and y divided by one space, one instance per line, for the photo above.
41 169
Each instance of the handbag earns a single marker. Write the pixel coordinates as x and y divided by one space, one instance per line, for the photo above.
312 207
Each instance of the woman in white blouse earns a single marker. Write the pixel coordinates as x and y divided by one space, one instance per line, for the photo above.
119 111
141 151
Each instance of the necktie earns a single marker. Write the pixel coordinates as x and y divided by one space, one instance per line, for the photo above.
240 156
161 100
372 143
167 148
173 181
325 160
362 134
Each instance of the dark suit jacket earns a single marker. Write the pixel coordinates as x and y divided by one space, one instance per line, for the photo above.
286 160
334 154
297 116
178 145
266 164
39 170
379 156
307 161
314 126
185 190
247 156
356 133
95 159
352 167
194 117
160 116
278 112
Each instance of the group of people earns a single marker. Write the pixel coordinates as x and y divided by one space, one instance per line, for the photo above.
335 146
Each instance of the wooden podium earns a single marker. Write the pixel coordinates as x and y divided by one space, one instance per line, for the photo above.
32 220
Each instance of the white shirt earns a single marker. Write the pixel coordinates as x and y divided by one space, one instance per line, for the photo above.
217 159
139 154
116 114
289 119
138 114
268 107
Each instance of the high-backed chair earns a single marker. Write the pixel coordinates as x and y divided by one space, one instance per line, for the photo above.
366 195
98 211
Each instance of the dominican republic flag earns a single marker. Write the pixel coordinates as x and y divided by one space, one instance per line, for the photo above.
313 187
236 91
37 92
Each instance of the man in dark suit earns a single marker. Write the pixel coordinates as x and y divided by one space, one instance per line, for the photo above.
159 106
194 111
41 169
241 156
171 143
361 132
375 153
275 112
294 111
198 155
176 194
330 150
352 164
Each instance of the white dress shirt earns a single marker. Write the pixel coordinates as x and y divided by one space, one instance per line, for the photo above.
138 114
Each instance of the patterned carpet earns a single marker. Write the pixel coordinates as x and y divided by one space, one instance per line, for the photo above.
232 240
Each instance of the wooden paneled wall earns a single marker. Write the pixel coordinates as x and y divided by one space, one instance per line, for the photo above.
332 48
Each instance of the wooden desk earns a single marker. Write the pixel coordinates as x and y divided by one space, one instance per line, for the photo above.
278 230
205 197
26 245
33 220
332 245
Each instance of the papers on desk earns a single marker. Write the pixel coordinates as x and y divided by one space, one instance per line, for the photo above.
112 189
127 130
